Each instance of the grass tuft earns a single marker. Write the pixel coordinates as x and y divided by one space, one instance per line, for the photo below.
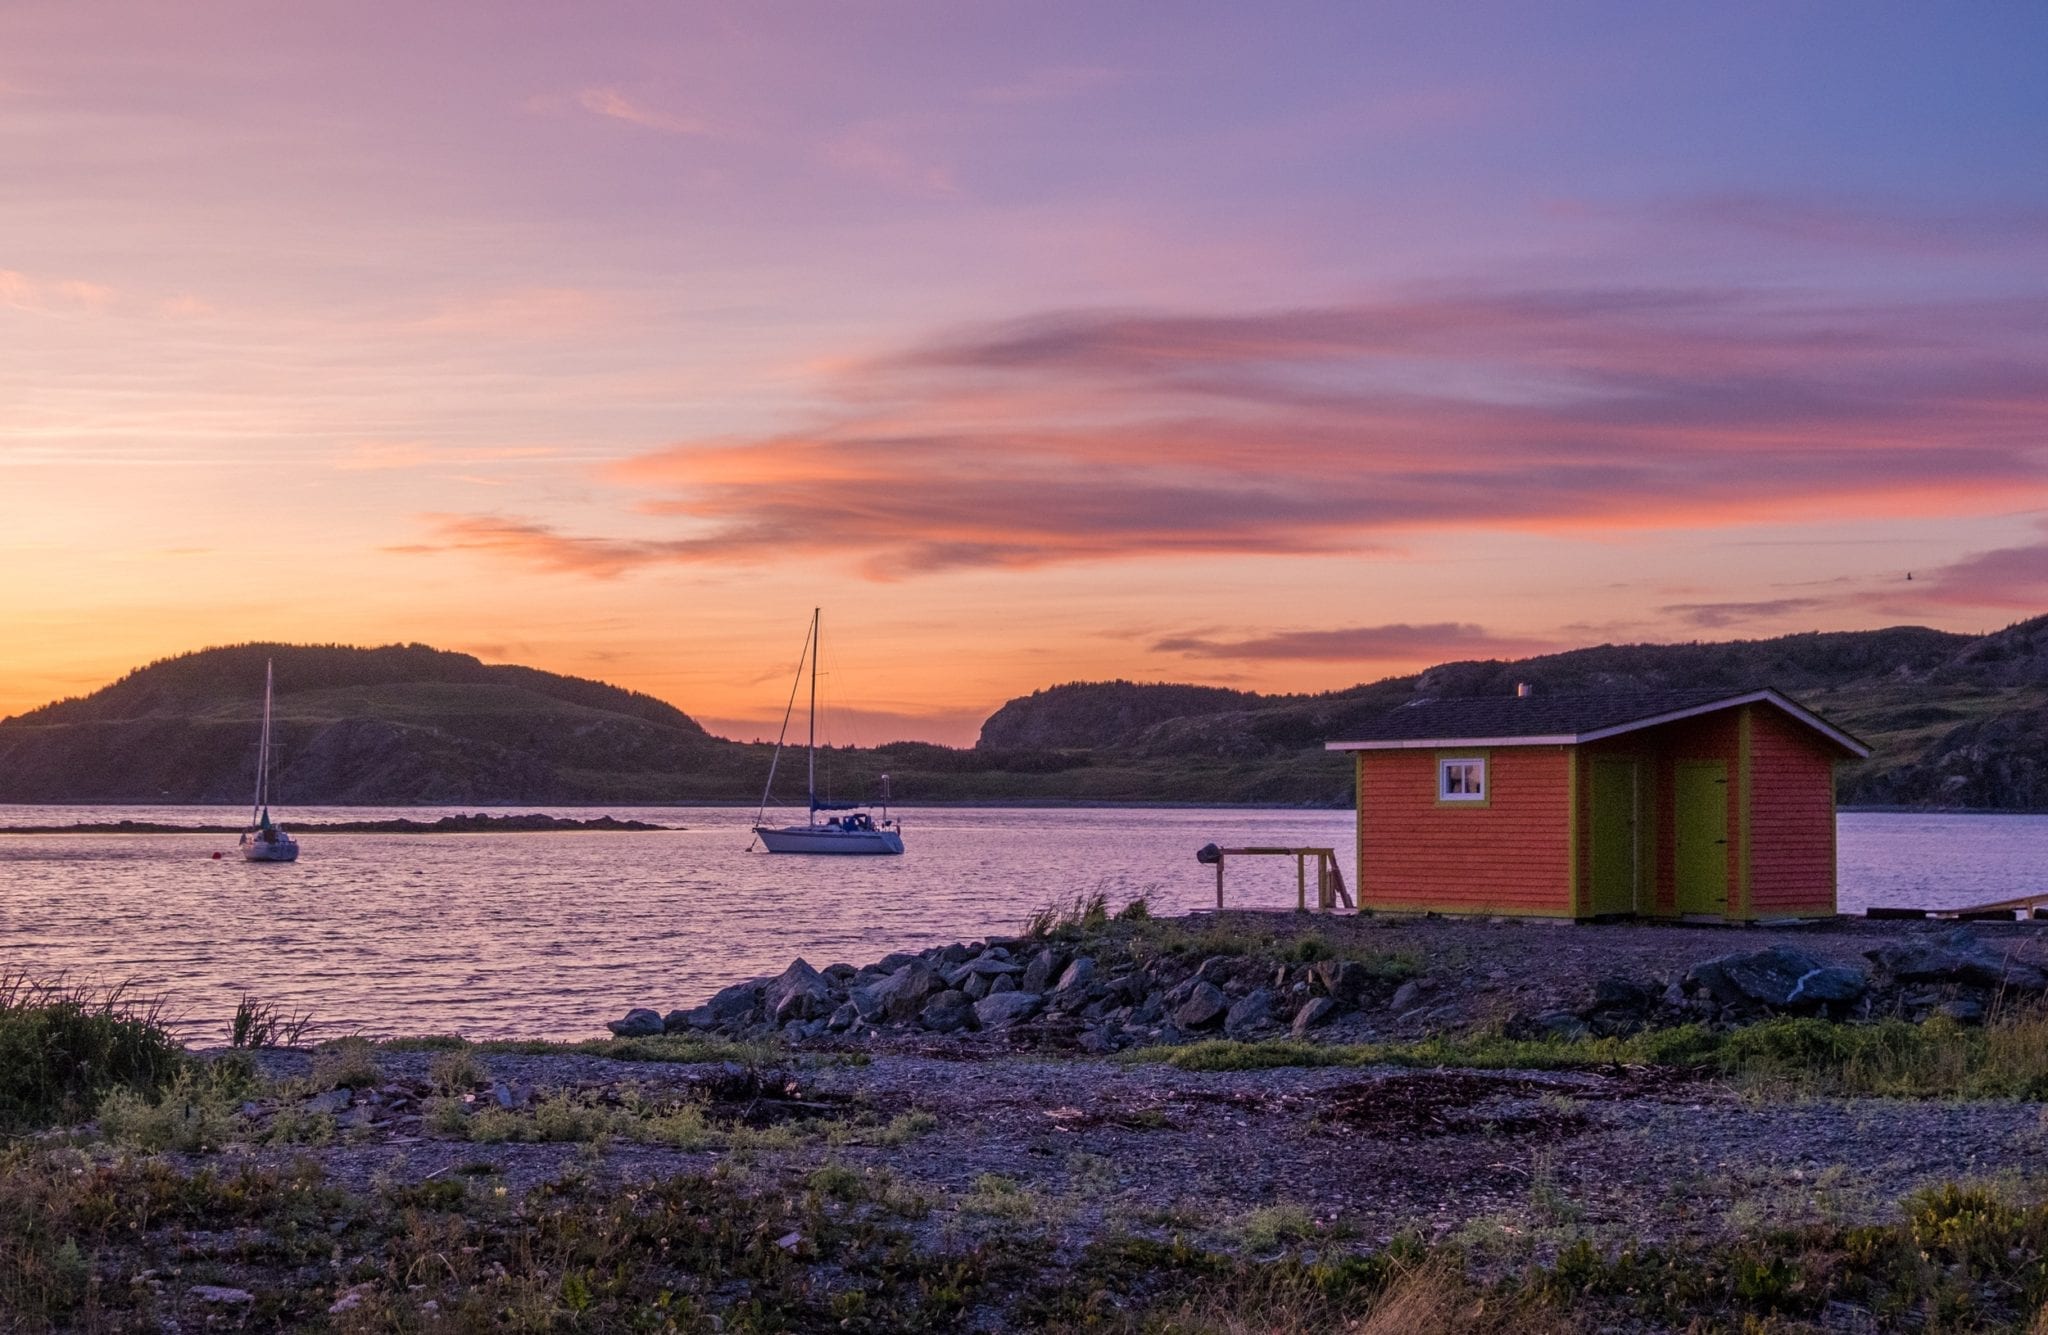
63 1048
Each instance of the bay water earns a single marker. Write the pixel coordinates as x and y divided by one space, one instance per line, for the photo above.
549 935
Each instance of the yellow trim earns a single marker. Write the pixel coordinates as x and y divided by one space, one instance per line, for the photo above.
1582 896
1745 804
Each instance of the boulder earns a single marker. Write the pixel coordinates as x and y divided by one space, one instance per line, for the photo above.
839 974
1077 976
975 986
843 1019
798 993
889 964
868 1003
1778 977
1960 958
1044 969
1003 982
1312 1013
639 1023
732 1005
1405 997
1205 1005
1963 1010
676 1021
1344 981
947 1011
903 992
1000 1010
1253 1011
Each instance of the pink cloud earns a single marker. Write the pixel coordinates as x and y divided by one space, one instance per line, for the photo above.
1089 436
1398 642
615 105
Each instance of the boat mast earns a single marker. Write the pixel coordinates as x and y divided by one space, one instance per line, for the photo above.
813 747
263 747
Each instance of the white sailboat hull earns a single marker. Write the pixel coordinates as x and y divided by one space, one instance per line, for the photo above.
286 849
823 839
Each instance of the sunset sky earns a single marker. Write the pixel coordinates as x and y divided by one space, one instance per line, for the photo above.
1283 346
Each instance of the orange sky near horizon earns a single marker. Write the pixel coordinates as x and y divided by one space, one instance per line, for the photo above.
1033 343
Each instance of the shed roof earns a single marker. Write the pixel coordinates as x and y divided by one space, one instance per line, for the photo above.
1564 720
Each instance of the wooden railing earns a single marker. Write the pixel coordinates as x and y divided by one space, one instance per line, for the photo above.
1330 891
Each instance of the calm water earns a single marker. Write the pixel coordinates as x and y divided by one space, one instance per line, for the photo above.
548 935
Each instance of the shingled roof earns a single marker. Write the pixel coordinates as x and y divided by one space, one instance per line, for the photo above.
1537 719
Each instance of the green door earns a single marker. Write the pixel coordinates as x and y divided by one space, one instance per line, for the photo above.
1617 850
1702 853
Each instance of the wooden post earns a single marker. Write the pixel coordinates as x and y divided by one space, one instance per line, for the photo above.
1219 880
1300 883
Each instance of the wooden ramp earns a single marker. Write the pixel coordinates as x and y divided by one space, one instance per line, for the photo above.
1329 880
2025 908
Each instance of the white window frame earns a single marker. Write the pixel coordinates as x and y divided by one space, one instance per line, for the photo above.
1476 770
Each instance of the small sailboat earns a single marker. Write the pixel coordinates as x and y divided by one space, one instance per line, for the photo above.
263 841
853 830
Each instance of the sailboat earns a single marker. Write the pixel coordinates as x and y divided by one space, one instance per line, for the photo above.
853 830
264 841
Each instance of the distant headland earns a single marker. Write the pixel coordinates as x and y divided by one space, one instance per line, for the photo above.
1956 722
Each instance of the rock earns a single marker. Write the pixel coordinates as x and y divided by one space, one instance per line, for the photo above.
1077 976
676 1022
1044 968
1834 983
216 1293
1000 1010
1963 1010
1215 969
947 1011
1151 1010
957 953
903 992
1779 977
1252 1012
867 1002
1204 1006
333 1101
509 1097
1344 981
889 964
843 1019
798 993
992 962
1561 1025
1103 1038
1404 998
1003 983
639 1023
1623 994
1312 1013
975 986
840 974
1961 957
733 1005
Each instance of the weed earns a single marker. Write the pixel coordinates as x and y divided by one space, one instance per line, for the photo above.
1272 1226
458 1071
260 1024
346 1063
63 1048
1064 920
192 1115
999 1196
296 1126
1138 910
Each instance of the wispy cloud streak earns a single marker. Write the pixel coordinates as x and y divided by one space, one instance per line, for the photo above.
1105 435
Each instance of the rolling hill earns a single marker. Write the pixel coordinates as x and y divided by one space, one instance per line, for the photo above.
1956 721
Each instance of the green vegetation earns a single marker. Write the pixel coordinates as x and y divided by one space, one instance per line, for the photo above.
1794 1056
260 1024
63 1049
1949 715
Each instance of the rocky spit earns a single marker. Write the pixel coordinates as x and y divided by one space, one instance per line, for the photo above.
1106 993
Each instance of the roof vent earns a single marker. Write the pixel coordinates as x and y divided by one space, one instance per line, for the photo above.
1523 690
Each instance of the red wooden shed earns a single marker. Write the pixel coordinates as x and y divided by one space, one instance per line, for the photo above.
1681 804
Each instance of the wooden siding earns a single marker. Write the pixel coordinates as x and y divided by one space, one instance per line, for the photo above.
1512 855
1792 818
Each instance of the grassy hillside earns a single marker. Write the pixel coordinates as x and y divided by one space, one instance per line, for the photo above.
1956 721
